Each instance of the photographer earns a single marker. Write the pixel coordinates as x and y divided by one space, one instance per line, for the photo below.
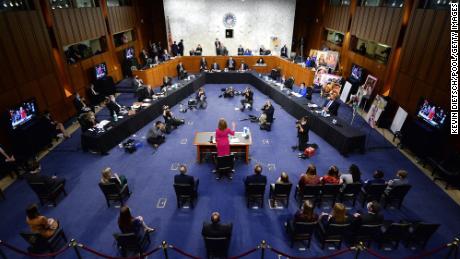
201 99
302 133
156 135
170 121
266 118
248 95
228 92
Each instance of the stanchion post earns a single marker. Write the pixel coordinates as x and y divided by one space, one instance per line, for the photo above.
263 245
164 246
453 248
358 248
73 243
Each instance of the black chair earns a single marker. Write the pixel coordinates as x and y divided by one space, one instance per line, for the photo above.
114 192
216 247
396 195
333 233
301 231
420 233
447 170
47 193
330 192
255 193
372 192
280 192
393 234
185 193
129 242
366 234
350 192
308 192
225 165
39 244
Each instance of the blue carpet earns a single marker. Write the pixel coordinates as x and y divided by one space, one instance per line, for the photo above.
85 216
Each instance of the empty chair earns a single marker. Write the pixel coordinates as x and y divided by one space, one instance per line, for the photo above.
46 192
396 195
280 192
420 233
224 166
39 244
372 192
185 193
301 231
255 193
393 234
130 242
447 170
113 192
366 234
333 233
330 192
308 192
216 247
350 192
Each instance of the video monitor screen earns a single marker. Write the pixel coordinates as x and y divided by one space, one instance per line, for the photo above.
434 115
100 70
22 113
129 53
357 73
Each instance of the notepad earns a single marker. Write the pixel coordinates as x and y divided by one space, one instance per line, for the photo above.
234 140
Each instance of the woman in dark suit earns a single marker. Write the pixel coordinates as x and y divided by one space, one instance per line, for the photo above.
129 224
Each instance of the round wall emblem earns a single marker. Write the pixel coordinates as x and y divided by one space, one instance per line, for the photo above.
229 20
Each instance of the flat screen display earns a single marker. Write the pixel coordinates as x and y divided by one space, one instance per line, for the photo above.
22 113
129 53
434 115
357 73
100 71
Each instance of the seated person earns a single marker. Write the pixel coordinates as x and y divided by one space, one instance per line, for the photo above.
229 92
288 83
144 92
337 216
80 104
165 56
201 99
40 224
8 163
198 50
266 119
284 52
240 50
181 72
137 83
263 51
50 182
248 100
231 64
302 90
183 178
56 128
215 228
309 92
215 67
331 105
377 178
310 62
203 65
353 175
257 177
107 177
332 176
260 61
167 81
144 57
310 177
113 106
401 179
247 52
170 121
87 121
95 98
305 214
156 135
372 217
129 224
243 67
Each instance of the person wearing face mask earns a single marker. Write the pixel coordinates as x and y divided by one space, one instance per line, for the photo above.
302 133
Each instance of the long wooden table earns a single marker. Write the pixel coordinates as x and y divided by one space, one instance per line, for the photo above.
238 144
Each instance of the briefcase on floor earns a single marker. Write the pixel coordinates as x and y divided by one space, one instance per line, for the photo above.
309 152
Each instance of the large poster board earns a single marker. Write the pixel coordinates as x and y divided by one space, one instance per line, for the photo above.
378 106
325 58
398 120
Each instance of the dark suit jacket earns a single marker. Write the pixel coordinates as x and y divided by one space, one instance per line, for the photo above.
333 108
289 83
180 69
240 51
269 112
217 230
215 66
245 66
370 219
113 108
284 52
231 62
184 179
203 65
255 178
45 179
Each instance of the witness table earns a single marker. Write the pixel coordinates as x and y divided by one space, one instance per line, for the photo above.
238 144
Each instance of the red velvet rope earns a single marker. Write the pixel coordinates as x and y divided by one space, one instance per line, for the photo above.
244 254
115 257
343 251
19 251
183 253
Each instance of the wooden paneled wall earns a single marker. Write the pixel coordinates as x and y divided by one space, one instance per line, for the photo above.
379 24
337 18
424 68
73 25
121 18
